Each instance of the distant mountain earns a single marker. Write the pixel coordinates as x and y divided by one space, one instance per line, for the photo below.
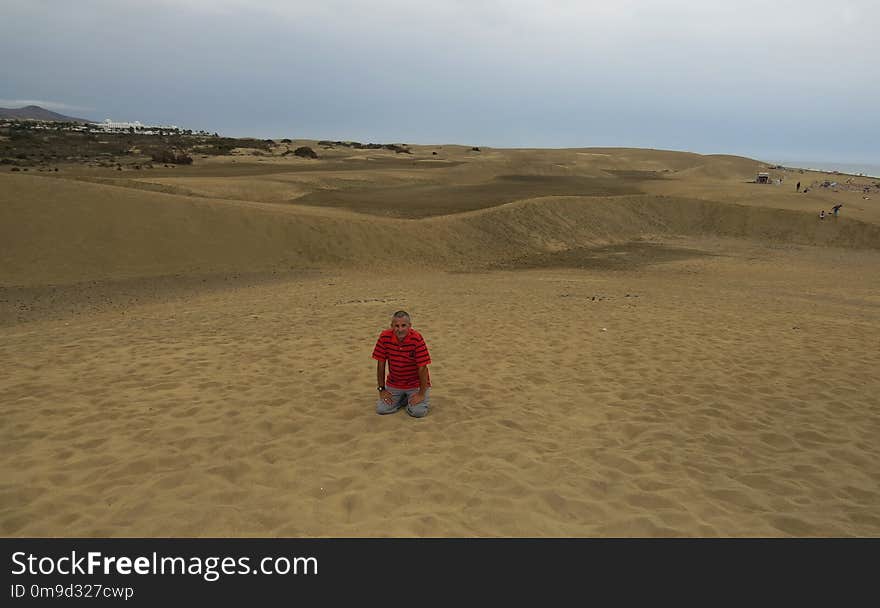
38 113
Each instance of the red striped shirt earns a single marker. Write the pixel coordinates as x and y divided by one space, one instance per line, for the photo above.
404 359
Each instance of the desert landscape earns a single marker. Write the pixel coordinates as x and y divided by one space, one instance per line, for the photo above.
625 342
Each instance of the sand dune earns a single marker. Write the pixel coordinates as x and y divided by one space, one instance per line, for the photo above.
68 232
686 354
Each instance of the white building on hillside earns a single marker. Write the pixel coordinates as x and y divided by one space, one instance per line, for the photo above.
111 126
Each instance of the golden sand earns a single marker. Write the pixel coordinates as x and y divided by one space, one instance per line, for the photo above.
667 350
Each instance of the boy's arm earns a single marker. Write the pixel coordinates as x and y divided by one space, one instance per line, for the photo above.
380 373
423 380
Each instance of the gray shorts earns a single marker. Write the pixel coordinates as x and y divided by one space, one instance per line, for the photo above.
399 398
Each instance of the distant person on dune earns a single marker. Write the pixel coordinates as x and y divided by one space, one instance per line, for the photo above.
836 209
798 186
822 214
408 381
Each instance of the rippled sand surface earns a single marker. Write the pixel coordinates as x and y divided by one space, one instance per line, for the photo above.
728 394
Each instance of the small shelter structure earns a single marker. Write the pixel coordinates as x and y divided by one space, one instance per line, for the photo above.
762 178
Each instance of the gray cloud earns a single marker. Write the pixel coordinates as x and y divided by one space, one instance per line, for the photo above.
762 79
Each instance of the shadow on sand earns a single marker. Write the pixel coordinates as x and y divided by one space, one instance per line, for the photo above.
626 256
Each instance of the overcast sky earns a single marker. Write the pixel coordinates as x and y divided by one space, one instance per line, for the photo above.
787 79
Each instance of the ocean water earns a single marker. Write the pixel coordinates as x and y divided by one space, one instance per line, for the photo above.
851 168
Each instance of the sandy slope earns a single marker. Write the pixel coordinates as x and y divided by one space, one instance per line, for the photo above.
603 365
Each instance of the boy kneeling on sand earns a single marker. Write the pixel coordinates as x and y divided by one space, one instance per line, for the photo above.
408 380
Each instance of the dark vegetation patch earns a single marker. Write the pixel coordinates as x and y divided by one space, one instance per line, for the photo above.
305 152
429 200
399 148
245 167
28 147
175 157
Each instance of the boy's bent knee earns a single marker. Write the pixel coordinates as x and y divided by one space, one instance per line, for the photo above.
417 411
386 408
